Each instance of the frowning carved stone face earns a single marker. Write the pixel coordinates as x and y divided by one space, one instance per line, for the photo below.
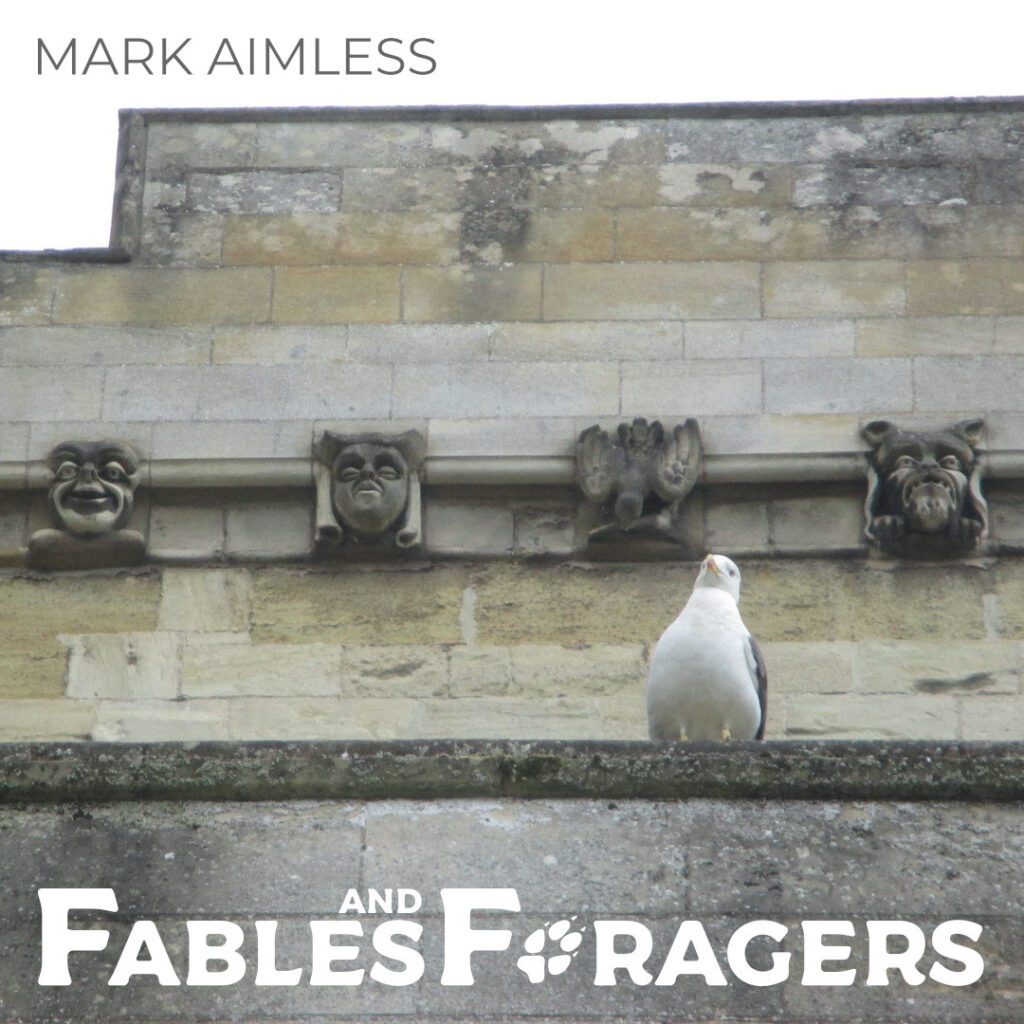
369 486
93 487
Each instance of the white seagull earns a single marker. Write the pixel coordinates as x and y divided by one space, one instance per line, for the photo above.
708 679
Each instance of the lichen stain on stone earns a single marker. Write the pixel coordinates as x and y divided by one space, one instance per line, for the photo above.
682 182
836 141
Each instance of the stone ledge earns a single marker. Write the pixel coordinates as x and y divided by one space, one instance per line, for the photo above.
868 770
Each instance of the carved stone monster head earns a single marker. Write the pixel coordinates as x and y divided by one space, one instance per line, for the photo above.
647 469
925 488
373 486
93 489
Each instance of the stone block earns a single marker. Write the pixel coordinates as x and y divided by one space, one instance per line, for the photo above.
1009 335
175 144
420 343
965 287
13 437
513 718
754 339
205 600
1007 519
694 387
544 531
911 602
818 523
998 181
463 529
378 238
322 718
137 393
270 346
593 185
26 294
839 184
736 524
279 529
401 188
461 294
1009 599
804 386
723 185
834 288
479 671
329 145
38 393
995 719
789 432
260 670
508 389
531 845
163 297
406 605
875 716
124 666
47 435
795 667
394 670
38 674
593 670
172 239
562 236
994 382
43 721
934 667
622 717
183 532
300 391
514 435
264 192
336 295
94 346
924 336
34 611
247 439
13 530
161 721
581 341
651 291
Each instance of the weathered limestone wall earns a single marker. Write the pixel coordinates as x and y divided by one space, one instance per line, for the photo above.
500 281
496 650
721 862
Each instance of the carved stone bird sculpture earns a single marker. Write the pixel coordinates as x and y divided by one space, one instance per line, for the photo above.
708 679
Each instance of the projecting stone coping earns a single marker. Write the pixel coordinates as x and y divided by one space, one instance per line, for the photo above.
450 769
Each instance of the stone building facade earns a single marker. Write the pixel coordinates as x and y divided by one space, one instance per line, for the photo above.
448 689
499 281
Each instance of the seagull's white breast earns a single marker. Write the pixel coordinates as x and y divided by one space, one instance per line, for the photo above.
700 680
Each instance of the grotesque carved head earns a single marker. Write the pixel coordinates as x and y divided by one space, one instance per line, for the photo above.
93 489
371 477
648 469
925 484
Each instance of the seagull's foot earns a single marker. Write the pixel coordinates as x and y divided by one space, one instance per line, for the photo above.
726 735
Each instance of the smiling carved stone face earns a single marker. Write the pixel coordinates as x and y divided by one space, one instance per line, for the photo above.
369 486
93 486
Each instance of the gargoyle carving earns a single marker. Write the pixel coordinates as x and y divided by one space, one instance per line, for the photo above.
368 489
924 490
91 497
646 469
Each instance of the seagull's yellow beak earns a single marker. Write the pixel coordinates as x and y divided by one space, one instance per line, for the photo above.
712 565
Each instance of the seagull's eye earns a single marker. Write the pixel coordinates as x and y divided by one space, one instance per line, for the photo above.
732 572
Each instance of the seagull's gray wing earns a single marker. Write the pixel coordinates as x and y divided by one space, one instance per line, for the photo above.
759 678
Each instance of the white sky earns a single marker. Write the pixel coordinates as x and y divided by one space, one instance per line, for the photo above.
60 133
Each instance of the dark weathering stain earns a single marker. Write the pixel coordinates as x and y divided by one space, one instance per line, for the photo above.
496 201
975 681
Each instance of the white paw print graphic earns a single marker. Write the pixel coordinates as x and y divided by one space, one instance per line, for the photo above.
534 964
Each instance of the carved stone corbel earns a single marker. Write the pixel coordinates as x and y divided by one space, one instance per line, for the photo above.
924 489
91 499
368 490
640 477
